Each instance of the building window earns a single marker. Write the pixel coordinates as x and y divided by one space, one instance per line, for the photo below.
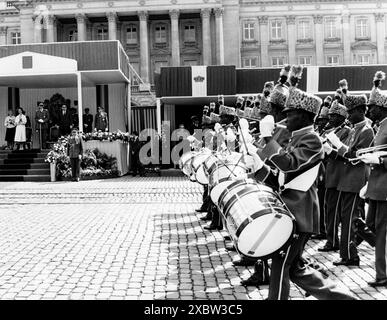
248 31
304 30
15 38
102 34
362 28
331 29
131 35
189 33
73 35
278 62
161 34
363 59
305 60
333 60
276 30
249 62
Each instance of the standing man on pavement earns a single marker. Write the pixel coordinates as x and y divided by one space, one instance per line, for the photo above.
353 177
377 186
302 155
41 124
75 152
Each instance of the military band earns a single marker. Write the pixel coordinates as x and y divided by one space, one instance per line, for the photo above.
323 162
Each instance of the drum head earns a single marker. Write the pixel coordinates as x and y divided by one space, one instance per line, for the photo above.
274 230
201 176
218 189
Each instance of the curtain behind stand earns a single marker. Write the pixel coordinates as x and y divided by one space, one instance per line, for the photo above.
143 118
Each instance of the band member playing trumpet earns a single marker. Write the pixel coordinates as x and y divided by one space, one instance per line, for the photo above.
333 173
353 177
377 187
302 155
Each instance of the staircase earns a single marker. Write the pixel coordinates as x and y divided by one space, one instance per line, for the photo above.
26 165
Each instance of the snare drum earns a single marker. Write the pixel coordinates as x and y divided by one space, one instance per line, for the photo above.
185 162
257 219
197 164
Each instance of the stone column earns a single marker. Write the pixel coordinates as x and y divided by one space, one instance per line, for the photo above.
3 35
264 41
144 46
112 22
49 26
319 39
380 35
81 27
346 38
38 29
219 36
206 35
174 14
292 38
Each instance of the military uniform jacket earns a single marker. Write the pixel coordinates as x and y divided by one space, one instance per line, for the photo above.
355 176
44 116
377 182
334 166
303 152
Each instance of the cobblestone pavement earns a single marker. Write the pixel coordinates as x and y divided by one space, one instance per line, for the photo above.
129 238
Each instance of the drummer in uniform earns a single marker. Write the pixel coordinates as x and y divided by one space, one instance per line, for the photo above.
377 187
333 172
353 177
302 156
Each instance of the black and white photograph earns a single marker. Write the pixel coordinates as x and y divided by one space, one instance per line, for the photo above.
194 156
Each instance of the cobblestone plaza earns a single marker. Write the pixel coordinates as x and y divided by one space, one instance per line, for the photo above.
130 238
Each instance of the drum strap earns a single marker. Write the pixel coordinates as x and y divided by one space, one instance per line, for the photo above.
302 182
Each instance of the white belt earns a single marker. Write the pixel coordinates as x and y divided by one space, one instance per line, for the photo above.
302 182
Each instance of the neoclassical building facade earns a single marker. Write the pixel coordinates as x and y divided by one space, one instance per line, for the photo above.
244 33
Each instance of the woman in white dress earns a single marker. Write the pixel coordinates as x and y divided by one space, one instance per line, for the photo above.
20 134
9 124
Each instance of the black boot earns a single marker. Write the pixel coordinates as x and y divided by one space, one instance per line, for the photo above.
362 231
260 276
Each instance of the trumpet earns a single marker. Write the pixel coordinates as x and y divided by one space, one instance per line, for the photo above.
380 151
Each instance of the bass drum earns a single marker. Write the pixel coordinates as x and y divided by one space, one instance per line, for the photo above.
257 219
185 162
222 175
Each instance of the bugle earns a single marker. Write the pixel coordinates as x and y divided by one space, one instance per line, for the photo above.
380 150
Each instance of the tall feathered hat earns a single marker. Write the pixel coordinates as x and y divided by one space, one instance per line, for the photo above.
265 105
281 91
323 113
298 99
351 101
327 101
338 108
377 97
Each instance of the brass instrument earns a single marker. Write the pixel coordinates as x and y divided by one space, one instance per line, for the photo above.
380 150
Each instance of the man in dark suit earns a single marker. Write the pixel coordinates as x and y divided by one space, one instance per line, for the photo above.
135 147
75 151
41 124
65 121
87 121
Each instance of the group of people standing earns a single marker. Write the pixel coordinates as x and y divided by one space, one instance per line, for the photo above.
49 125
298 133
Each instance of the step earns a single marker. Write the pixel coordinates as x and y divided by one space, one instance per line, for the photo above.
25 166
26 155
22 172
23 160
37 178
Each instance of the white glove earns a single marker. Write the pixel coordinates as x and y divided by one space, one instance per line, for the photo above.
217 127
327 148
335 140
258 163
244 125
266 126
41 120
230 135
370 158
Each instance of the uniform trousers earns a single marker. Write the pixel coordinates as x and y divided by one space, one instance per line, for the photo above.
321 199
377 221
206 199
75 167
332 217
291 266
349 203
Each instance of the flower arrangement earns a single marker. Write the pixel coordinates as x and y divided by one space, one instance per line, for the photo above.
107 136
94 162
